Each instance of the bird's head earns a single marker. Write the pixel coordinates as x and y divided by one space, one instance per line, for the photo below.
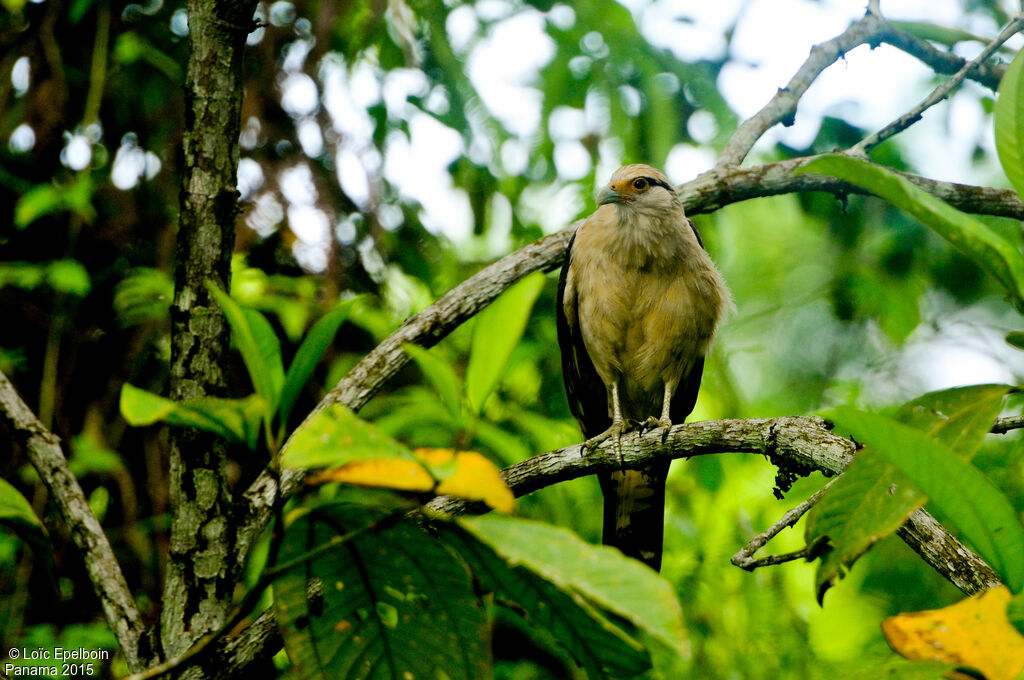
639 187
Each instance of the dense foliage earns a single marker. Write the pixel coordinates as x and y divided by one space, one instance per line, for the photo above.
373 163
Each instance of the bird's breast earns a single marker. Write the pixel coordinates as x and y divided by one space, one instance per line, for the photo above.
645 319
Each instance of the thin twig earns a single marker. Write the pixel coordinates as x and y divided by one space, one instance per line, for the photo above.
782 107
744 559
43 448
939 93
941 61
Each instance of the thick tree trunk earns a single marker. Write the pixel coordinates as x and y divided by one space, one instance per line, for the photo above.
200 575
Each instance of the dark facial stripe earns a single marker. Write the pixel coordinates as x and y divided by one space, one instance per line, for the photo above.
657 182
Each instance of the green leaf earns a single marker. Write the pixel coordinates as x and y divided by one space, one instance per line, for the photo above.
45 199
385 603
977 507
16 514
600 574
1009 123
69 276
441 376
236 420
598 646
336 436
872 499
970 236
143 296
1016 339
496 332
1015 612
316 342
260 348
140 407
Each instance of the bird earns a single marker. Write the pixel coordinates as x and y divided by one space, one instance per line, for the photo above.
639 302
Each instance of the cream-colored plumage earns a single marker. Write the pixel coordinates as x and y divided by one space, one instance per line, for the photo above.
639 302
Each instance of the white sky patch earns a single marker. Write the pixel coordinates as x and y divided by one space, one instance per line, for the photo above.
418 166
297 185
23 138
572 161
77 153
502 66
250 177
299 95
21 76
686 161
346 98
461 26
352 177
311 139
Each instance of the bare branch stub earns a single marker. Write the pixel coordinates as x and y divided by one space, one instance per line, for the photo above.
744 559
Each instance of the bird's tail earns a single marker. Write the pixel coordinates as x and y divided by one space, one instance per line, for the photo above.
634 512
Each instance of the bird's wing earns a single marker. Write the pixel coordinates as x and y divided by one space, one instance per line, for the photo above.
587 395
695 231
686 394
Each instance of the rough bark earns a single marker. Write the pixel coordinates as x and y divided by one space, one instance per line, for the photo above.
200 572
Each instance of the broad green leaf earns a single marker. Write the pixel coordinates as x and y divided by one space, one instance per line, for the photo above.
316 342
260 348
496 332
388 602
69 276
45 199
596 644
959 417
16 514
1009 123
143 296
1015 612
977 507
140 407
970 236
336 436
441 376
600 574
237 420
872 499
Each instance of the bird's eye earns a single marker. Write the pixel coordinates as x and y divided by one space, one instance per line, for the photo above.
640 184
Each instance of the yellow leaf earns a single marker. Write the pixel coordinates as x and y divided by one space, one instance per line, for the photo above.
974 632
384 473
474 477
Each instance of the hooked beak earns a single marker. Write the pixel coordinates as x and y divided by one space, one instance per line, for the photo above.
607 195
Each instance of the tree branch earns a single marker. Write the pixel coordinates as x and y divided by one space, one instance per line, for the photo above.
782 107
941 61
744 559
939 93
718 188
802 442
108 581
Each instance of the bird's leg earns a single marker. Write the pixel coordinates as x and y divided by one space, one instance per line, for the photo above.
616 429
665 421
